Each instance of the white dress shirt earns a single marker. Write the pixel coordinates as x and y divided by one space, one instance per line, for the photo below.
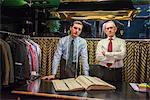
115 57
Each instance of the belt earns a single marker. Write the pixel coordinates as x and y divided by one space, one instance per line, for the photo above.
109 68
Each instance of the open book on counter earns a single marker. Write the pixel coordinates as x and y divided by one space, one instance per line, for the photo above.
81 83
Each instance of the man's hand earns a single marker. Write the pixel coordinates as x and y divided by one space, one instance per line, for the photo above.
117 60
51 77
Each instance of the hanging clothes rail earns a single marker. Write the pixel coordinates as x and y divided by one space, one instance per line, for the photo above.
14 34
21 58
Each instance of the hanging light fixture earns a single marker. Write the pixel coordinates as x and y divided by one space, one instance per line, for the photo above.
96 10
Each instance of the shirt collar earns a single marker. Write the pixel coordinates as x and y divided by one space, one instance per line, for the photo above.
70 38
112 37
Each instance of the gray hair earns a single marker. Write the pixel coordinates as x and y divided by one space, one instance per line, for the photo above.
104 25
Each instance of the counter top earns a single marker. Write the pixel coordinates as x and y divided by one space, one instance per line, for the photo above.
44 88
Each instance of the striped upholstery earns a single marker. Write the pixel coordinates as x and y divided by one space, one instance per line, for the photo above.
136 63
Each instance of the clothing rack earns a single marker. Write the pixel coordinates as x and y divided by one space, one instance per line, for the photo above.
14 34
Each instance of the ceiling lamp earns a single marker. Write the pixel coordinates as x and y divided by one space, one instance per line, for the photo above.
96 10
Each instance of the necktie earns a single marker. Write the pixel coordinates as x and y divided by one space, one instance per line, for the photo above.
70 60
109 49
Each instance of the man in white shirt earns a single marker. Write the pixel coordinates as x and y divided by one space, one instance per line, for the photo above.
110 53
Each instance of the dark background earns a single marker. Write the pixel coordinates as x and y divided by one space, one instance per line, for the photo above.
35 20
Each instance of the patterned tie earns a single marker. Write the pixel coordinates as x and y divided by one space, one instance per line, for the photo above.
109 49
70 60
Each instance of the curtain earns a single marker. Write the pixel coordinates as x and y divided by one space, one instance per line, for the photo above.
136 63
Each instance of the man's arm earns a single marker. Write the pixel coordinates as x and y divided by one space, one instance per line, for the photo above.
57 57
84 55
103 55
100 52
120 54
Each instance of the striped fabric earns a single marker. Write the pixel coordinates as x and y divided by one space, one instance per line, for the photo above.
136 63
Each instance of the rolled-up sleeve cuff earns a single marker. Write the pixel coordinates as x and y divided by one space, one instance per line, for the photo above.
86 73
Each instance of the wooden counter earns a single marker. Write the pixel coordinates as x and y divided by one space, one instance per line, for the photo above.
44 88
